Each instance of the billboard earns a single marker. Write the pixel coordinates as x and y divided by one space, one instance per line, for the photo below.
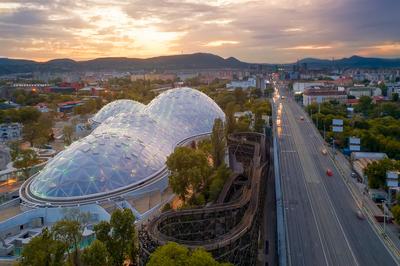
392 183
337 129
337 122
354 147
353 140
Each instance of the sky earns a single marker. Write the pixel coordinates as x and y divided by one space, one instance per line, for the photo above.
262 31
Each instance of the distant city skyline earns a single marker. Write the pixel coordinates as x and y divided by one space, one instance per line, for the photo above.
274 31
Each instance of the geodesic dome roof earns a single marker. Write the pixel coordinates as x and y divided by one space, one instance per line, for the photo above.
116 107
127 148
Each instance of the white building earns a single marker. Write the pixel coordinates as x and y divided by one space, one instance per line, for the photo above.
10 131
300 86
320 95
393 88
364 91
244 84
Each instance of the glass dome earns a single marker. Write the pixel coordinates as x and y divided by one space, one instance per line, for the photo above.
128 147
116 107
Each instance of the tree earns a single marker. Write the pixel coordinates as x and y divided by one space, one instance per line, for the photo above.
395 97
173 254
240 96
230 118
38 132
69 233
119 236
43 250
96 254
364 105
383 88
376 172
25 159
396 213
218 180
68 132
218 142
189 171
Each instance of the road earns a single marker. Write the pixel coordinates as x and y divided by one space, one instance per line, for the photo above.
321 225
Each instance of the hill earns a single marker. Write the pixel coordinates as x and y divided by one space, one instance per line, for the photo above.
174 62
352 62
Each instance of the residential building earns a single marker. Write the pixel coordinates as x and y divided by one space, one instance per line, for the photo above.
320 95
300 86
244 84
393 88
153 76
67 107
364 91
10 131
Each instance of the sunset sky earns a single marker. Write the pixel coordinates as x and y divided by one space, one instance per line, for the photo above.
268 31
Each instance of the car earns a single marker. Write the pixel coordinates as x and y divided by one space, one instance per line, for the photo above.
302 118
324 151
283 97
329 172
353 175
360 215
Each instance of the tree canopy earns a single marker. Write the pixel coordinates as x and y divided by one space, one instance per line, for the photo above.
376 172
189 171
119 236
218 143
173 254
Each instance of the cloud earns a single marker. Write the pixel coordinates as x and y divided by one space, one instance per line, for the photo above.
252 30
308 47
220 43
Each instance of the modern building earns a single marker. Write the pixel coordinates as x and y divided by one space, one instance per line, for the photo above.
126 154
244 84
320 95
364 91
301 86
114 108
121 164
10 131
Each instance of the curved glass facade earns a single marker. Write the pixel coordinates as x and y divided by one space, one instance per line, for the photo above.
116 107
128 147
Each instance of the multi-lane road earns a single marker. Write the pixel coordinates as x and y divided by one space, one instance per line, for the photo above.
321 223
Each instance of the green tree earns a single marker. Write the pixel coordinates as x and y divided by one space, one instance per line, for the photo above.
189 171
173 254
43 250
96 254
230 118
38 132
119 236
69 233
218 142
25 159
395 97
376 172
364 105
218 180
396 213
68 131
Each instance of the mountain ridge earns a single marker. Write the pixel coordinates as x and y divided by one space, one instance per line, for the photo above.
177 62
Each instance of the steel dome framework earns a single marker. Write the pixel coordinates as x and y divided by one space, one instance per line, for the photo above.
128 148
